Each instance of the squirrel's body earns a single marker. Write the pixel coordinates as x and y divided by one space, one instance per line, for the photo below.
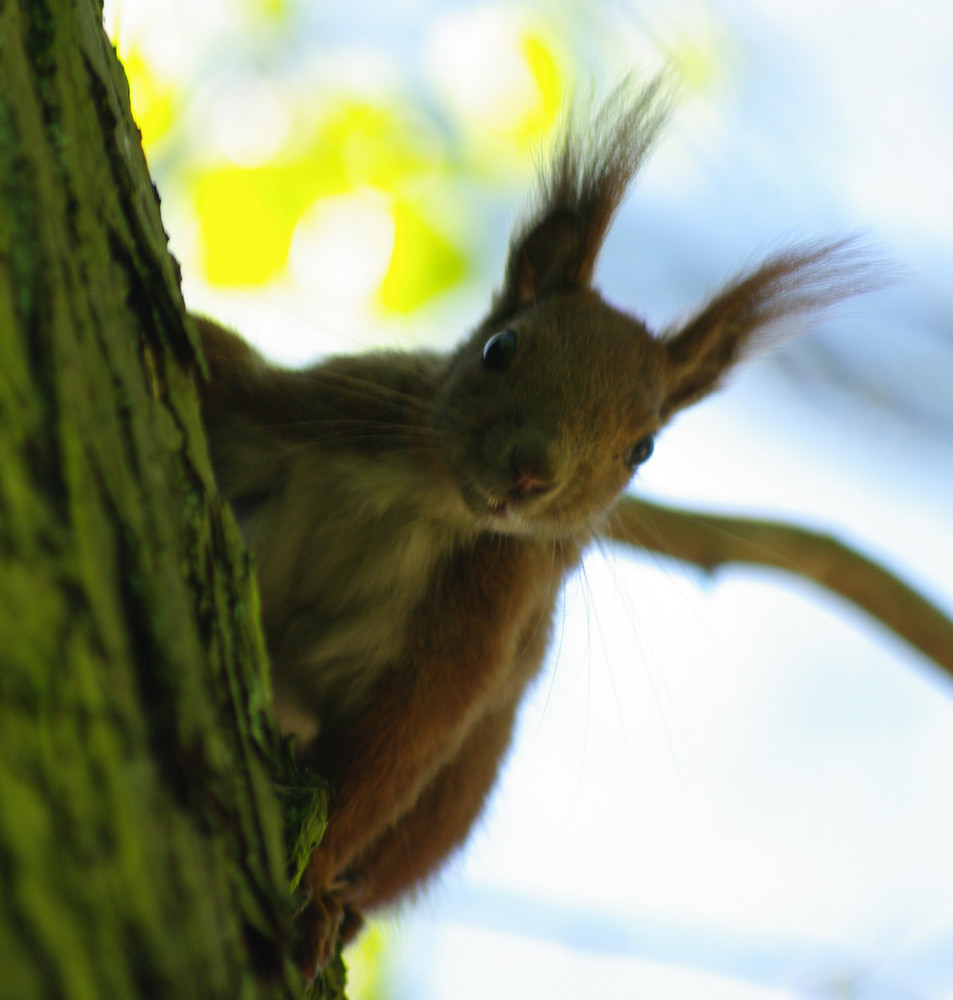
413 515
382 513
379 517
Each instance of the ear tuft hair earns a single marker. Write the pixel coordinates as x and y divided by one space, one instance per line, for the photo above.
796 281
594 161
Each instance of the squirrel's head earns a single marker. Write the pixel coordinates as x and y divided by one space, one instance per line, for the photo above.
555 400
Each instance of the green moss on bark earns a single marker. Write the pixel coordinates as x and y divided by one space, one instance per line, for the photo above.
141 848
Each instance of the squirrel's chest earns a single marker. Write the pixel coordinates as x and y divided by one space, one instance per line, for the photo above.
339 591
375 557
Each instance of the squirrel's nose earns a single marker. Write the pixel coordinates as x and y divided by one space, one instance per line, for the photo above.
530 475
525 484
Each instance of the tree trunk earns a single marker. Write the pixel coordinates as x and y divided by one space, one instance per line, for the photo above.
141 845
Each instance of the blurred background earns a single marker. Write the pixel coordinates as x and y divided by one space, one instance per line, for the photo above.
735 788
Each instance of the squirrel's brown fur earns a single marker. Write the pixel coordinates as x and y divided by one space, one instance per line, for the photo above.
413 515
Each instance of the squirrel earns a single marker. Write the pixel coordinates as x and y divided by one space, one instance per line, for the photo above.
413 515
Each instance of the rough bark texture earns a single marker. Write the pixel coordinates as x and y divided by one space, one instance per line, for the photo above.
140 837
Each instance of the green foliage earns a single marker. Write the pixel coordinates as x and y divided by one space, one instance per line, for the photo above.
424 261
246 155
247 216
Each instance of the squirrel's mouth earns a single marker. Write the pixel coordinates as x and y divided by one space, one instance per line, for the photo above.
533 516
519 507
498 508
490 507
521 515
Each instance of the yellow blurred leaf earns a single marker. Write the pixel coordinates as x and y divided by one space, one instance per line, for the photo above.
153 99
424 262
247 215
550 84
276 10
246 218
360 144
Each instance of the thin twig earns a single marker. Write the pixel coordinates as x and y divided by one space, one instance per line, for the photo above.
711 541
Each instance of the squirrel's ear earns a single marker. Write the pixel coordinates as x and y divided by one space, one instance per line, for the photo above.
794 282
548 258
594 161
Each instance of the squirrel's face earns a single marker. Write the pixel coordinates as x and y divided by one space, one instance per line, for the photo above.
543 420
547 410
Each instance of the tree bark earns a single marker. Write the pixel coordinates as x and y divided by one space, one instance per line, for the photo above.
141 845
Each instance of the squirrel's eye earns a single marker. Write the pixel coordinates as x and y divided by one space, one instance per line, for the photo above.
499 350
639 452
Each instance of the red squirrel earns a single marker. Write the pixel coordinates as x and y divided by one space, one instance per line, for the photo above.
413 515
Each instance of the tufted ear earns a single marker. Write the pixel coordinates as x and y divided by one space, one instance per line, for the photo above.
796 281
594 161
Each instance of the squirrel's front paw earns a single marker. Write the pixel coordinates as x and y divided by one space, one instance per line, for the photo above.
330 920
